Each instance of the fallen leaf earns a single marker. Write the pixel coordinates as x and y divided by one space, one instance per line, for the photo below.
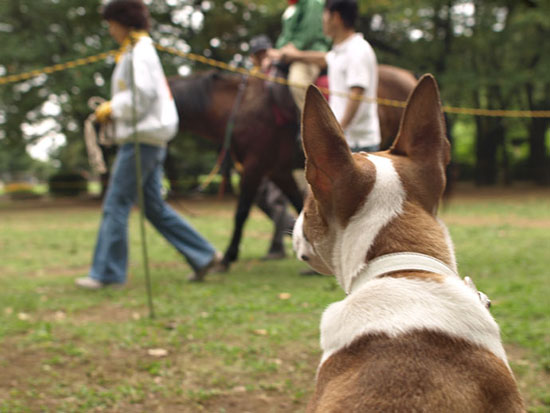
260 332
59 316
23 316
157 352
171 325
284 296
239 389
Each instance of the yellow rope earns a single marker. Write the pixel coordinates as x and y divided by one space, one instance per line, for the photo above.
4 80
224 66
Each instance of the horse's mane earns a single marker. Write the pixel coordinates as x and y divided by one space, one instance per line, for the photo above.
193 93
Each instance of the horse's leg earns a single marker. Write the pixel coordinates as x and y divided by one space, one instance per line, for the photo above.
286 182
250 181
273 203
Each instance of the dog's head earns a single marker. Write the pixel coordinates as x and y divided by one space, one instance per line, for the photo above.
355 199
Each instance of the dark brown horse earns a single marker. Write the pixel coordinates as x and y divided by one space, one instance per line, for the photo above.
262 143
266 125
393 83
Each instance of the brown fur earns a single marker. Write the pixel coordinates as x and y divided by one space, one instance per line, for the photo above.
402 235
420 371
417 275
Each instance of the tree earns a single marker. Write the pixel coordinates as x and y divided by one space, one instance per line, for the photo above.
489 54
64 26
531 19
71 29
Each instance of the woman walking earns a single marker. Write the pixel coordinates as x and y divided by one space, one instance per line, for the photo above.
138 71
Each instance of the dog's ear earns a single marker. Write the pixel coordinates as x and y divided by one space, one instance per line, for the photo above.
325 147
422 131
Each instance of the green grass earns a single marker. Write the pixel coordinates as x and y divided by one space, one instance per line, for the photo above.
233 343
40 189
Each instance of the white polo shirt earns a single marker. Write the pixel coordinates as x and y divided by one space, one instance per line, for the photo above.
352 63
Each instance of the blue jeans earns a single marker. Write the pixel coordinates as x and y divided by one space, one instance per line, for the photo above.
111 252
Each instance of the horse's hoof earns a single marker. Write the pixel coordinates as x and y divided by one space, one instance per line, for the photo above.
276 255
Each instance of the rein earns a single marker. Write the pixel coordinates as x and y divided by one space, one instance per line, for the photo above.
233 114
224 158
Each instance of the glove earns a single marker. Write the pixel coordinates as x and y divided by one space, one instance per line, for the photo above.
103 112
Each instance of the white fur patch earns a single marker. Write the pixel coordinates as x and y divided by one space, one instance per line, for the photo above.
450 244
383 203
305 251
395 306
299 243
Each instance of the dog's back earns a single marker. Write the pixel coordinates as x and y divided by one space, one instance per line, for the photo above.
420 371
410 336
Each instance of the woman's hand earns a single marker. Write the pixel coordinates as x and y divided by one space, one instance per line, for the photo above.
103 112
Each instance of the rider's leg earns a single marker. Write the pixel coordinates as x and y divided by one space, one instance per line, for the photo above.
300 76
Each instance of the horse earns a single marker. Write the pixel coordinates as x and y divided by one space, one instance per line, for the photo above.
396 84
265 128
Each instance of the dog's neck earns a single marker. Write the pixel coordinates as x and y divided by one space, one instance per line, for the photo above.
386 210
384 203
401 261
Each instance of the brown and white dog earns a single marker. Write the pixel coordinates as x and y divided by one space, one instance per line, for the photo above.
411 335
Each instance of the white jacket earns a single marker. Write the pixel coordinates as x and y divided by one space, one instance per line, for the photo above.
156 114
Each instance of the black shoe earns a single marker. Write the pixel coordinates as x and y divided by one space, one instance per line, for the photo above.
198 276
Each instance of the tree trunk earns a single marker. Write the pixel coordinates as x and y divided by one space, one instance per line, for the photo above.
488 133
539 163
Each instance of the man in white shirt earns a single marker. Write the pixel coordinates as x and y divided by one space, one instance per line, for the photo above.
352 73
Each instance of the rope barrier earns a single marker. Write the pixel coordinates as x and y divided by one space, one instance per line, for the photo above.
274 79
4 80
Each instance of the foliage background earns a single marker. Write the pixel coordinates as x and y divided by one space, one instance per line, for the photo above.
485 53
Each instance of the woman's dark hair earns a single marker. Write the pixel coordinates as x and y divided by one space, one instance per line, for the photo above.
347 9
129 13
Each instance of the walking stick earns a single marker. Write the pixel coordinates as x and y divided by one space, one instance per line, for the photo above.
140 189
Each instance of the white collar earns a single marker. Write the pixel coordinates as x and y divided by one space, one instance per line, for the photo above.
400 261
